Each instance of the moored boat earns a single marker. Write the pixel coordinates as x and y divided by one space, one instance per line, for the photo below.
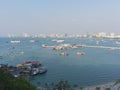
35 71
28 68
32 63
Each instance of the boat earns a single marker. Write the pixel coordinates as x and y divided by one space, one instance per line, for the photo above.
59 48
22 52
32 41
80 53
35 71
64 54
23 69
32 63
44 46
97 42
15 41
59 41
74 47
20 66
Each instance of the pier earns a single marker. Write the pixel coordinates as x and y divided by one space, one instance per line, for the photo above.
103 47
61 47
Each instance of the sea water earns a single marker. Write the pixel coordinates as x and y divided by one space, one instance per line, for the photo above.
97 66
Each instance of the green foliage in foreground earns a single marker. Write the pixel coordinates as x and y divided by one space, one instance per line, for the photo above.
8 82
62 85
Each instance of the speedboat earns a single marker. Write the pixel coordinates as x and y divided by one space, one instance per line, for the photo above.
80 53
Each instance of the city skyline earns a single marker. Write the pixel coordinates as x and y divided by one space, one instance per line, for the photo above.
63 16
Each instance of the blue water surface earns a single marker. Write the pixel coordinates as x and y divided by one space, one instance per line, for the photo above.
95 67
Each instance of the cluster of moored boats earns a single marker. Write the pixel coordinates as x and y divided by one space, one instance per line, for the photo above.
27 68
65 47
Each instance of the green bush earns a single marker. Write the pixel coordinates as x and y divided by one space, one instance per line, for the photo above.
8 82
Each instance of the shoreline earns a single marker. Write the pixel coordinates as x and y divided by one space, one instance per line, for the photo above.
103 86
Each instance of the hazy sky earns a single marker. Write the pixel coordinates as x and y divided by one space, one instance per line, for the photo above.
59 16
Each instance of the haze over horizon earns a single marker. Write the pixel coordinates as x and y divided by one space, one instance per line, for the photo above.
59 16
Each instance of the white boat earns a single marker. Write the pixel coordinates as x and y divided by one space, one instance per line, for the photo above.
97 42
21 52
31 41
44 46
15 41
59 41
64 54
54 40
36 71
